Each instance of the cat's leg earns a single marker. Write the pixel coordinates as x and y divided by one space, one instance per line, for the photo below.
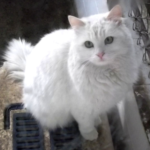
86 123
88 131
98 121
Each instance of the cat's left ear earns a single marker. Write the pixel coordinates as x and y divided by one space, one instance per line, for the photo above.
115 14
75 22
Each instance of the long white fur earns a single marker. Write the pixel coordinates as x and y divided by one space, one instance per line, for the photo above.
63 80
15 56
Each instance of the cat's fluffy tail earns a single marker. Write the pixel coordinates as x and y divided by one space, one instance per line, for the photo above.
15 58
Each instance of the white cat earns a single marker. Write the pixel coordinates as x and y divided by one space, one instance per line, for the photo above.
78 73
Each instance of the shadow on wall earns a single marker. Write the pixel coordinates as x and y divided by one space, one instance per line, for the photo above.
31 19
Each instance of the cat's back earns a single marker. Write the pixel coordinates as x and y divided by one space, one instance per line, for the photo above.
58 40
46 82
52 48
48 61
58 37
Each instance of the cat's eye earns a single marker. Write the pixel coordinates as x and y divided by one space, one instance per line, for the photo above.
88 44
109 40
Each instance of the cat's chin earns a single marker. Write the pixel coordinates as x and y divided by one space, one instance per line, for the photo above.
99 62
102 63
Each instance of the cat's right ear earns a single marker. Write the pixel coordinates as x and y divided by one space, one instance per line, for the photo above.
115 14
75 22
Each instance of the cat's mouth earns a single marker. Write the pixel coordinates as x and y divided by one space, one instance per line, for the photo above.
100 61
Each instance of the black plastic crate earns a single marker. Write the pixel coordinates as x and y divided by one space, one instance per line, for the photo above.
27 133
68 138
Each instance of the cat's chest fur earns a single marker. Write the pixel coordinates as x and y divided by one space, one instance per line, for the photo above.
101 87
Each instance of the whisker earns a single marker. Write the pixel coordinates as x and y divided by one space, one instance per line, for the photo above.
84 63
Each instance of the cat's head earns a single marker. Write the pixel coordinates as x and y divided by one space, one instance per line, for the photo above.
101 41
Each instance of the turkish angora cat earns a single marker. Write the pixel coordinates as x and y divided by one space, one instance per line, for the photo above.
78 73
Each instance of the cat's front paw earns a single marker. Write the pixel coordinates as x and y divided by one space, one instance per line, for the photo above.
93 135
98 121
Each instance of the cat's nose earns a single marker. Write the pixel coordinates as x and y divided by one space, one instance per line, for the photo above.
100 55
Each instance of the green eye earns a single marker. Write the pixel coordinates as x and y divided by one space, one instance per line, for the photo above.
88 44
109 40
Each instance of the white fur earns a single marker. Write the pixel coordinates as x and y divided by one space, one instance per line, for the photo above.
15 56
64 80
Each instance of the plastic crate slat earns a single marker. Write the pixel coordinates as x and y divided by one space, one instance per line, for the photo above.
29 145
28 140
27 134
25 122
28 128
25 118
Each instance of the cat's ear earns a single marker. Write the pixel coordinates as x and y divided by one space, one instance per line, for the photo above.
75 22
115 14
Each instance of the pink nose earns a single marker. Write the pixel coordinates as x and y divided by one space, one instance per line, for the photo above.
100 55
